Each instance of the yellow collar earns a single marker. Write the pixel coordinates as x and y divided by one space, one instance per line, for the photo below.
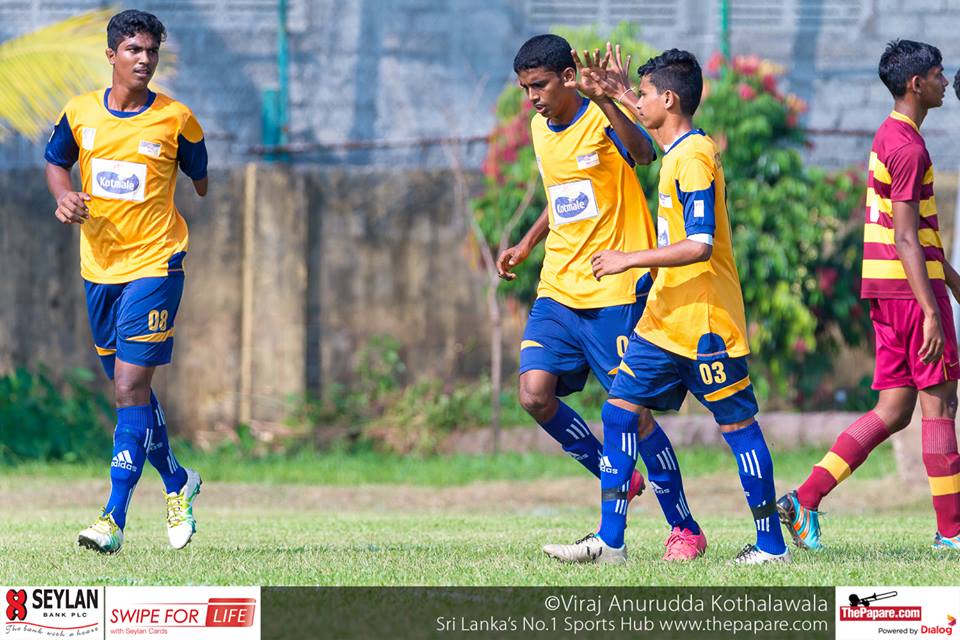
896 115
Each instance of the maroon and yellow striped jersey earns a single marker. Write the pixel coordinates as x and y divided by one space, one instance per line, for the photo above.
900 170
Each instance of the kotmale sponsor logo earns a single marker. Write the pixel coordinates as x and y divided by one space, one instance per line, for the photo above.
115 183
571 207
53 612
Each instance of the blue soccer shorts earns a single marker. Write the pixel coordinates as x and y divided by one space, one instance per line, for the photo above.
569 343
653 377
134 321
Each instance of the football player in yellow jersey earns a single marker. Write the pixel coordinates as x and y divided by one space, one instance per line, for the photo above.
130 143
692 336
586 149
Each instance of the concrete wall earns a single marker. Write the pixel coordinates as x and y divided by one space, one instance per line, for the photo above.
401 69
279 296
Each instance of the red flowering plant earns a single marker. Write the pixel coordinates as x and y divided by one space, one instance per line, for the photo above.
796 228
796 232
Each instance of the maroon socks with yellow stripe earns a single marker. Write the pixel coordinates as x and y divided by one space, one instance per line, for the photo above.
848 452
942 461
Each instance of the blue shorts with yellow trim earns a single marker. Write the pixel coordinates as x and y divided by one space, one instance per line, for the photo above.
655 378
134 321
570 343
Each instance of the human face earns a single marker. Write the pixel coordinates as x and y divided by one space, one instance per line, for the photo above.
135 60
932 87
652 105
546 91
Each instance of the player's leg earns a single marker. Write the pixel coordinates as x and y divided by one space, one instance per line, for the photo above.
892 378
938 405
131 437
620 428
798 509
102 301
723 386
552 364
146 337
624 420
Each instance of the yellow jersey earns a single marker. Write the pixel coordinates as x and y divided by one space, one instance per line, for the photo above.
695 311
595 203
128 166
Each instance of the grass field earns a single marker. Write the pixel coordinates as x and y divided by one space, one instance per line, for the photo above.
372 520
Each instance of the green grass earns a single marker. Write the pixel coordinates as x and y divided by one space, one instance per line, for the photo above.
414 530
286 547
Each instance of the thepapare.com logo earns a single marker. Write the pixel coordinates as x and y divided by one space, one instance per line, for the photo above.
53 612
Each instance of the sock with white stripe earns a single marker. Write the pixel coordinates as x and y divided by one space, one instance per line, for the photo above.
131 438
756 476
663 473
571 431
616 468
160 454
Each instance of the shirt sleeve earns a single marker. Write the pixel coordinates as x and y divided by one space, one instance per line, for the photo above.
191 150
612 134
907 166
697 191
62 149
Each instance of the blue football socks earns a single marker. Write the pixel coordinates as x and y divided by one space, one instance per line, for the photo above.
663 472
571 431
160 454
130 441
616 468
756 476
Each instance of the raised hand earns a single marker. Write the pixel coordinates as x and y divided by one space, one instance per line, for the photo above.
589 71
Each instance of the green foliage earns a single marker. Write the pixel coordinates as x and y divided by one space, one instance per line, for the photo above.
795 228
43 420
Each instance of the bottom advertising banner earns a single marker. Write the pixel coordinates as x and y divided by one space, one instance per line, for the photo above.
183 613
498 612
865 613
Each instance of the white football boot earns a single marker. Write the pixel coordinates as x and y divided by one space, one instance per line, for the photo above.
103 535
586 550
181 525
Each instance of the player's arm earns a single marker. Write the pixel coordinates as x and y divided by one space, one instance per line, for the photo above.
906 219
192 154
951 276
687 251
61 154
696 195
623 131
519 252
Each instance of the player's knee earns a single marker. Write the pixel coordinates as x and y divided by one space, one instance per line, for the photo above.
646 424
951 408
131 392
536 402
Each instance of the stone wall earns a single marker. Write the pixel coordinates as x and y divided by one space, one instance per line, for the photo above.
400 69
289 273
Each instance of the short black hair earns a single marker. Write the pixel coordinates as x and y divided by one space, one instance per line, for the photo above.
956 84
129 23
903 59
677 71
547 51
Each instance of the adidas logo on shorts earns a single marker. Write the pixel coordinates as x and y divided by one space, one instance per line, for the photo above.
123 461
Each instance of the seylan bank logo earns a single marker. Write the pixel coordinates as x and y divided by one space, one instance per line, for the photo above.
571 207
114 183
